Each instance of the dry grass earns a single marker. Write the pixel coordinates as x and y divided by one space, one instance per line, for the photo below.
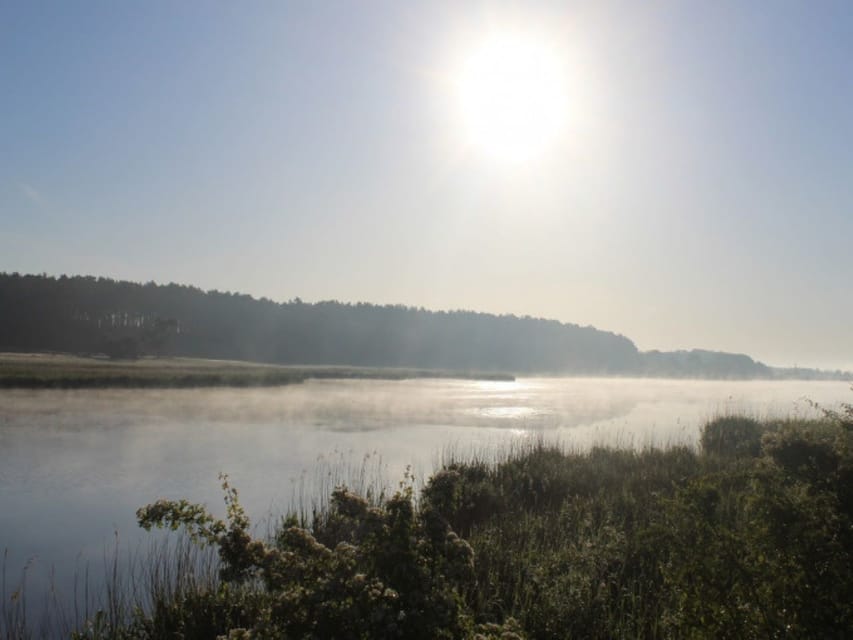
48 370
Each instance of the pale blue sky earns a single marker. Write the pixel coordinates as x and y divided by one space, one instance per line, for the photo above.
702 195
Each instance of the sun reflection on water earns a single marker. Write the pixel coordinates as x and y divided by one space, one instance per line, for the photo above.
510 412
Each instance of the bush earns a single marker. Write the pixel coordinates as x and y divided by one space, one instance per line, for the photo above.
732 436
464 495
751 539
384 572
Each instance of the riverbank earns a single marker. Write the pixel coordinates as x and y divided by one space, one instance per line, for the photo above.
64 371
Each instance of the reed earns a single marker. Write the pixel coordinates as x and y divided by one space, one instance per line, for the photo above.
748 535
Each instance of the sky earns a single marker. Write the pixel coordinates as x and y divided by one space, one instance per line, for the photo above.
698 192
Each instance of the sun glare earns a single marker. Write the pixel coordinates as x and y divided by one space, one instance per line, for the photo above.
512 97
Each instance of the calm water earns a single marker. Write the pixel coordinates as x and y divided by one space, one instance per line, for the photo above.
75 465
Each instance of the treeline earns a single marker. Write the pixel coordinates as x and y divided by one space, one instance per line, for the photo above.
703 363
88 315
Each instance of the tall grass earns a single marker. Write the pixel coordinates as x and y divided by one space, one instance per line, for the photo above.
104 599
750 535
312 492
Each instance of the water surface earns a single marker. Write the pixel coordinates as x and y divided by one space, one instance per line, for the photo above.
75 465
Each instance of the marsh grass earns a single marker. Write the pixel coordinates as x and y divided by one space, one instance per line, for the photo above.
63 371
109 597
106 597
13 606
311 492
748 535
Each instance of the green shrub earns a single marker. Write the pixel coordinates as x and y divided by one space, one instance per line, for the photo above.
806 453
752 538
364 572
464 495
731 436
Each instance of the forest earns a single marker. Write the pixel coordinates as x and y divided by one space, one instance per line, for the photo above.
88 315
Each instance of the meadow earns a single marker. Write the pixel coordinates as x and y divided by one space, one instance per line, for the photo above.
748 535
63 371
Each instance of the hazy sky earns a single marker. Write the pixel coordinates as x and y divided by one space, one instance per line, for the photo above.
698 194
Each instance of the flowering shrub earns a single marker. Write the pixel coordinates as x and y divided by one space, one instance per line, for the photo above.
364 572
749 537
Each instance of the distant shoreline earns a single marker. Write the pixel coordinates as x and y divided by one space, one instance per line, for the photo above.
70 371
65 371
103 319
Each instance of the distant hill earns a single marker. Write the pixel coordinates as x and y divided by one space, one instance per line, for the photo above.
86 315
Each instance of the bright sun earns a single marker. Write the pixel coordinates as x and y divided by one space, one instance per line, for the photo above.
512 97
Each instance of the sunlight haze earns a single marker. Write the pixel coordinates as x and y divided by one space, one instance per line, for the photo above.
677 172
512 97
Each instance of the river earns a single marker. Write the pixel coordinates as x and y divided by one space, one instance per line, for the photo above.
75 465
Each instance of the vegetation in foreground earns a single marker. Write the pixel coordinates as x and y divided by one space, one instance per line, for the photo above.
57 371
751 536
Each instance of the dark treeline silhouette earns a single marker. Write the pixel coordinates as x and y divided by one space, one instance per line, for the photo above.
88 315
709 364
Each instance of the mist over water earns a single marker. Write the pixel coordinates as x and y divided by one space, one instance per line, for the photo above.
75 465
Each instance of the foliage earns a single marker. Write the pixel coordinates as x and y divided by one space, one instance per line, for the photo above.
56 371
735 436
384 572
124 320
750 539
89 315
727 542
